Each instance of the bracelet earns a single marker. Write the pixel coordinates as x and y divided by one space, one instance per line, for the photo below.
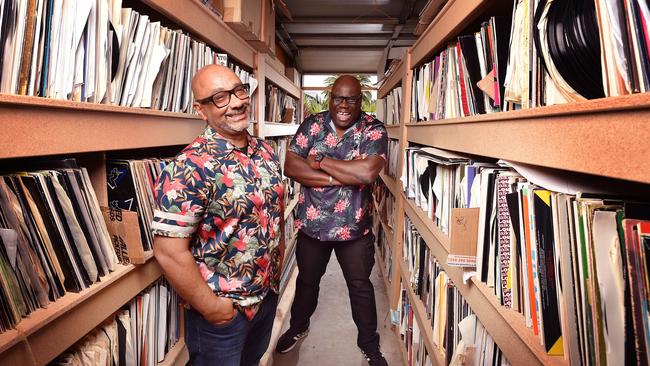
330 179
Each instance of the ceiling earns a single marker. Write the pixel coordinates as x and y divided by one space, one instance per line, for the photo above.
355 36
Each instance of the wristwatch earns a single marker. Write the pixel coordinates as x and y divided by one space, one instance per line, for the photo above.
318 158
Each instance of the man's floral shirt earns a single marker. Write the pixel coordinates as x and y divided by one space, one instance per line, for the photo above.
337 213
229 201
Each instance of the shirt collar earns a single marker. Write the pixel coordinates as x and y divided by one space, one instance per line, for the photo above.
223 147
330 123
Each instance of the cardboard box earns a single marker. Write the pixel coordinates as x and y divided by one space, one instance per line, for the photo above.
124 228
244 17
464 234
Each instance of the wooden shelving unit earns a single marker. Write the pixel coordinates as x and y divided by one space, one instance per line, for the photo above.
35 127
419 314
606 137
450 20
177 356
201 21
292 204
391 184
393 81
46 333
280 79
507 328
284 308
393 131
265 70
65 127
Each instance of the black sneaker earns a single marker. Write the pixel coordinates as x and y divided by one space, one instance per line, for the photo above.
289 340
375 358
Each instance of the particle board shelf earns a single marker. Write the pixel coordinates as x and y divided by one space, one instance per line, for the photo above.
281 80
292 204
196 18
46 333
289 244
607 137
178 355
379 261
390 183
392 81
35 126
426 329
393 131
453 17
276 129
284 308
507 327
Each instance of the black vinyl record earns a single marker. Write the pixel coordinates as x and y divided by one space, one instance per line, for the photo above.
574 45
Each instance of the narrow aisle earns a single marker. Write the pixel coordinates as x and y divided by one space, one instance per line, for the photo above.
332 336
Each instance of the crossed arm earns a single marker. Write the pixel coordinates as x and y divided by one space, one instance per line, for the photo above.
343 172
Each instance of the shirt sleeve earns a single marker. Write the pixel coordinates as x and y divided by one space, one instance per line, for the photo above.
181 196
375 141
302 141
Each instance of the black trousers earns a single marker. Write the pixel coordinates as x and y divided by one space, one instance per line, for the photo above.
356 258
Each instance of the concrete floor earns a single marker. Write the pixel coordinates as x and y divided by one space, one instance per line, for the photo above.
332 336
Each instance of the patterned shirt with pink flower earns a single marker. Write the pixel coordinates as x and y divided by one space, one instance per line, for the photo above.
337 213
229 201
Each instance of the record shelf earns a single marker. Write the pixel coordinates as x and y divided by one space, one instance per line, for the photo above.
605 137
46 333
266 70
41 127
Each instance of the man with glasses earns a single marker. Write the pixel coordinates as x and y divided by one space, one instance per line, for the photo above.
219 227
336 156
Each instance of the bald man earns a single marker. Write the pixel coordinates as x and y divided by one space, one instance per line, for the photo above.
336 156
218 227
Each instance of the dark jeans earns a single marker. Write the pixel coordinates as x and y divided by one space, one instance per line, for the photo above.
356 258
240 342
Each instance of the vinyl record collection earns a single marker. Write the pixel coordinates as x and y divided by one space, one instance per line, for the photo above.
457 333
392 158
140 334
280 146
383 247
570 262
392 104
54 239
432 177
289 261
97 51
280 106
548 52
411 335
292 188
384 203
383 220
131 187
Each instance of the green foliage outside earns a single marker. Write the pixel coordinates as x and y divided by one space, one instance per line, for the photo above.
314 105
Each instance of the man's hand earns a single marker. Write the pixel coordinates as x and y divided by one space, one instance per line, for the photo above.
222 313
311 160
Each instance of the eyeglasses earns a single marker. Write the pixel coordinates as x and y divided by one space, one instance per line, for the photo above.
221 98
351 100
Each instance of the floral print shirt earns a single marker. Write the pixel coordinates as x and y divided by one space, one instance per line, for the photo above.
229 201
337 213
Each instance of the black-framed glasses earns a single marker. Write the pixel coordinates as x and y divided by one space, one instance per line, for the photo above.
221 98
353 100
